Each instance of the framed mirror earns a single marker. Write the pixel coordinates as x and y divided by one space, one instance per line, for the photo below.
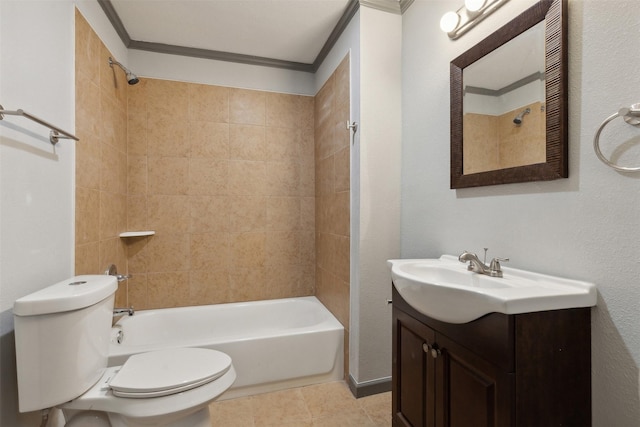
509 102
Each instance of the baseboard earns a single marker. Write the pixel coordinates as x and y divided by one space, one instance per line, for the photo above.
369 388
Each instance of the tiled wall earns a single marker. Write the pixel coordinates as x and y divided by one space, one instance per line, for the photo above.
332 142
244 189
225 177
101 157
495 142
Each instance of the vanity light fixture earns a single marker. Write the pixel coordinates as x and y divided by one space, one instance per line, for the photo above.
449 21
468 16
474 5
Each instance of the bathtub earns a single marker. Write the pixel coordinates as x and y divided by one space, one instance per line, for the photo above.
274 344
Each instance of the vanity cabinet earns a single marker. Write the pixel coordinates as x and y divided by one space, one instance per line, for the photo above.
530 369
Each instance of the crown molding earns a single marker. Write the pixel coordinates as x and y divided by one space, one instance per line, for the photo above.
506 89
116 22
346 17
397 7
404 5
219 55
391 6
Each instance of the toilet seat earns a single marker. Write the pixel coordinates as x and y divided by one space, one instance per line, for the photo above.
166 372
159 410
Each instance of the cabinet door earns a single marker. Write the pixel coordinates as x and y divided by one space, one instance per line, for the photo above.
413 373
470 391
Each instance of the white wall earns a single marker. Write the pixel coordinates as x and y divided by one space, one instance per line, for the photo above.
37 73
499 105
206 71
379 195
36 179
584 227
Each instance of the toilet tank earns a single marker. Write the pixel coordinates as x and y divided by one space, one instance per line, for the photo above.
62 339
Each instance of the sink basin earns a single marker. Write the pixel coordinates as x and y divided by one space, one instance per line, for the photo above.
445 290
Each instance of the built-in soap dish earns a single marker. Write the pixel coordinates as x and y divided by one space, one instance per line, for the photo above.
137 233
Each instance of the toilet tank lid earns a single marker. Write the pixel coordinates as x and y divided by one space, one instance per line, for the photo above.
70 294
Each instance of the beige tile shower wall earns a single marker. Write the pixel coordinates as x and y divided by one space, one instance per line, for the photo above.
232 181
101 157
495 142
524 144
480 148
225 177
332 141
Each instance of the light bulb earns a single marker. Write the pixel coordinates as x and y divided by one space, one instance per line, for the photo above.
449 21
474 5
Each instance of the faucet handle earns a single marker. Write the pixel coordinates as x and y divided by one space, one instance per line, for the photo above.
496 262
123 277
494 268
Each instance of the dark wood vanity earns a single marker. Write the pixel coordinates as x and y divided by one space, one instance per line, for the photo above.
531 369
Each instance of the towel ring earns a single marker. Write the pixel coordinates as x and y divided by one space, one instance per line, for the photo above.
631 115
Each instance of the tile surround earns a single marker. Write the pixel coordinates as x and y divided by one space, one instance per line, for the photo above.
224 176
332 194
245 189
101 158
495 142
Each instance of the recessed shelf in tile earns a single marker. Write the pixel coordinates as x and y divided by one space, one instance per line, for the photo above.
137 233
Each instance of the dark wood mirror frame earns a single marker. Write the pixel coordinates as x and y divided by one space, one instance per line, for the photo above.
556 165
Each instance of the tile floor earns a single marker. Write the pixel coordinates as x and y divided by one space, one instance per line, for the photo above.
322 405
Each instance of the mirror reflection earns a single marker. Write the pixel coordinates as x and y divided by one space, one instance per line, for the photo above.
504 105
513 110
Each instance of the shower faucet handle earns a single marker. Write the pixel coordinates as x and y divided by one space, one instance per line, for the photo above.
112 270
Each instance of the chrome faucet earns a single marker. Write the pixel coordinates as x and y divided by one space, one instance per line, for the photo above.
112 270
118 313
494 269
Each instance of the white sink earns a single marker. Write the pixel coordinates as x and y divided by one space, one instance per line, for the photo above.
444 290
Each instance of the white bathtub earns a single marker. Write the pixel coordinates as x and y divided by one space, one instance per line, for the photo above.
274 344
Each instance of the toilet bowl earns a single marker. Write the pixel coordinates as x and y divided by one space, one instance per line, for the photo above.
62 342
161 388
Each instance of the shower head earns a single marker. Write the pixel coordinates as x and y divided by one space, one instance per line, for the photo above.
518 118
131 78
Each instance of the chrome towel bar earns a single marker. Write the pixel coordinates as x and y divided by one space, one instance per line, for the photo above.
54 134
631 115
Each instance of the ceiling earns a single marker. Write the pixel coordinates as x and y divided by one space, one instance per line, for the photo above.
293 34
513 62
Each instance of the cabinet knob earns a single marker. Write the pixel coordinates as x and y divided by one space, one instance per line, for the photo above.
435 351
426 348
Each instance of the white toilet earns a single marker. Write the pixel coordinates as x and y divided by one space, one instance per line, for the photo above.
62 344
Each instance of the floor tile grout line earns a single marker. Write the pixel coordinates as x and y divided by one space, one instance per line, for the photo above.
376 411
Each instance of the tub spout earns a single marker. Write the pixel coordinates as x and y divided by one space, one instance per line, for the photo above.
119 312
